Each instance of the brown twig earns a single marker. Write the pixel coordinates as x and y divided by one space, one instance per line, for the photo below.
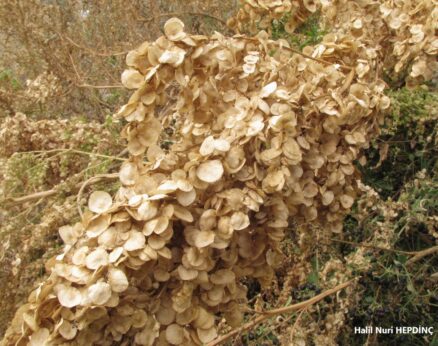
55 190
420 254
171 14
268 314
86 85
31 197
375 247
89 50
80 81
41 194
292 331
75 151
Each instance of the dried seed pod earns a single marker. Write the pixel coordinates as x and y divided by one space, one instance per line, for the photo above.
210 171
99 202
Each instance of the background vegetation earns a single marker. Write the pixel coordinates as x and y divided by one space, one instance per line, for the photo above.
60 66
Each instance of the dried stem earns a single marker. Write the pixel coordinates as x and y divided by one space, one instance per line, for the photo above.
171 14
89 50
420 254
287 309
374 247
76 151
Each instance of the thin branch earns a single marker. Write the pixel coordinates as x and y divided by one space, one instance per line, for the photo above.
373 247
86 85
292 331
55 190
283 310
80 83
420 254
171 14
31 197
48 193
89 50
76 151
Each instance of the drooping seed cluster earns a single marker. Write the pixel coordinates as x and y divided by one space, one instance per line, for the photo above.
265 135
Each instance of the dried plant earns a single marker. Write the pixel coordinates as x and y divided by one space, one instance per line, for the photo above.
264 135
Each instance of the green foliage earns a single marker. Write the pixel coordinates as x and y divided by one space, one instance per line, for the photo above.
308 33
395 293
8 79
25 172
410 134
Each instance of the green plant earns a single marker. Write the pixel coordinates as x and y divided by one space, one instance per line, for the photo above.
307 34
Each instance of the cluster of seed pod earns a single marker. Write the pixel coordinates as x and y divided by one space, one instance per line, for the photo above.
259 14
402 33
265 135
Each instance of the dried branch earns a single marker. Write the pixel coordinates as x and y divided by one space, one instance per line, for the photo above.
172 14
89 50
374 247
31 197
287 309
48 193
75 151
85 85
54 191
420 254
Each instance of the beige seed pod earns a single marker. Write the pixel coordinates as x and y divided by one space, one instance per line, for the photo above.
165 315
203 320
98 225
203 238
223 277
132 79
99 293
187 274
96 259
68 296
327 197
210 171
99 202
207 335
175 334
186 198
117 280
268 89
68 235
239 221
67 330
174 57
174 29
128 173
207 146
147 210
347 201
135 241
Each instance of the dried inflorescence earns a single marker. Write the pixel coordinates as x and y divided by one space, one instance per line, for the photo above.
263 138
403 32
43 87
259 14
19 133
